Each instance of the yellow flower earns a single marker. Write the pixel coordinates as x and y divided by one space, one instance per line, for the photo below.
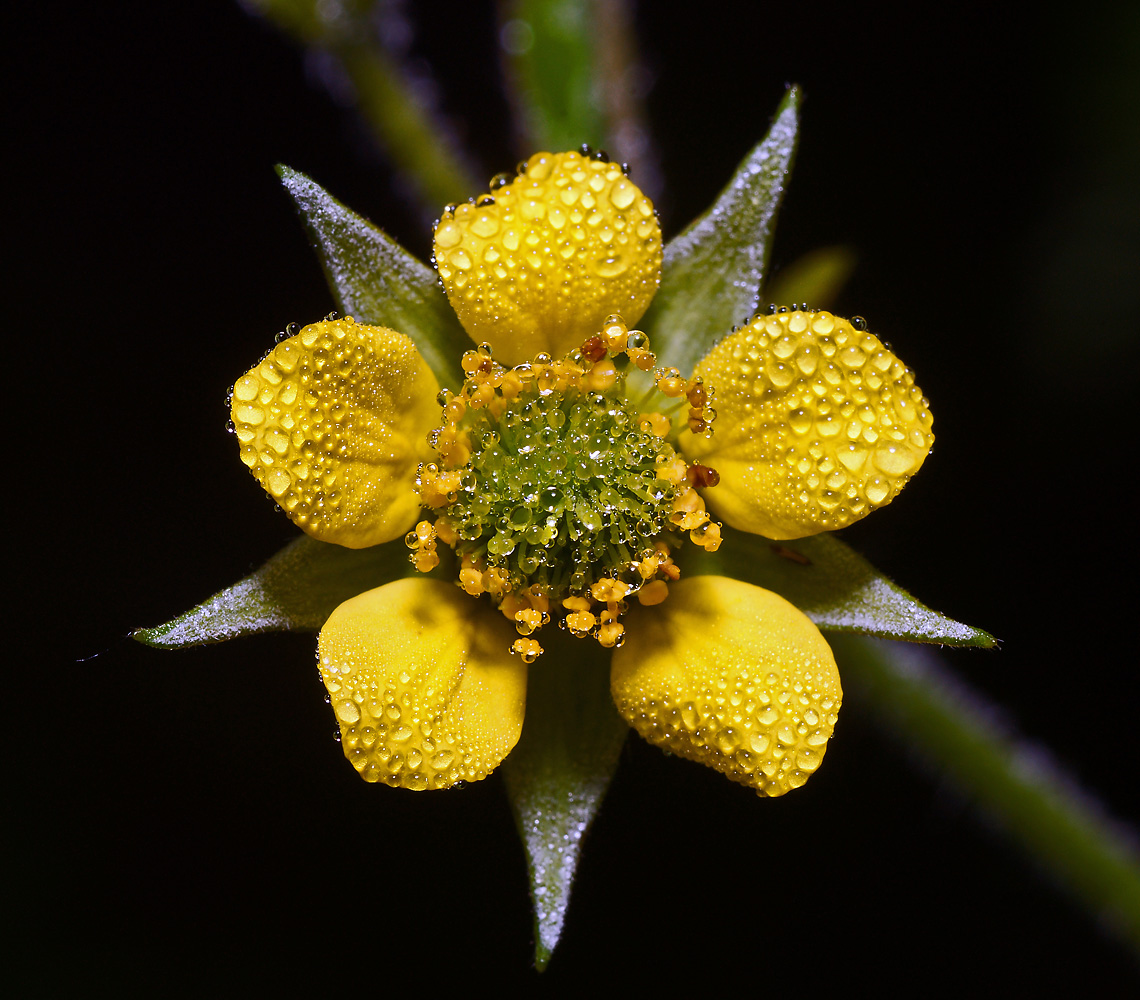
567 472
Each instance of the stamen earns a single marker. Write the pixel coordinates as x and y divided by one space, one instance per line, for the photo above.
556 494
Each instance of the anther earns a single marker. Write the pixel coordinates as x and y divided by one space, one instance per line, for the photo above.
653 592
701 476
593 349
528 649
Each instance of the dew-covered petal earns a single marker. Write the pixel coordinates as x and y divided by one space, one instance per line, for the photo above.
732 676
818 423
422 684
541 261
333 423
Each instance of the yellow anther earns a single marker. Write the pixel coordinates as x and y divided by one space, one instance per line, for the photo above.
496 580
688 510
610 634
528 649
471 580
447 534
448 482
432 488
539 601
577 604
454 453
482 395
607 589
647 567
567 374
601 376
614 334
426 560
653 592
471 361
528 620
707 536
670 383
666 567
644 359
511 384
673 471
580 622
512 604
425 530
654 423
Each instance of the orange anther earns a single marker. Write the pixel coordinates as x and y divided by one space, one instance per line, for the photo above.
653 592
593 349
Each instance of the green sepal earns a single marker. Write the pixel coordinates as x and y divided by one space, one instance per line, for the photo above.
376 281
556 776
297 589
833 585
713 272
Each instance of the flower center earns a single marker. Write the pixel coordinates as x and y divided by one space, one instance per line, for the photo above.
557 494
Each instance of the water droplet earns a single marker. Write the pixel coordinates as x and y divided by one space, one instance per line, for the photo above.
347 711
611 267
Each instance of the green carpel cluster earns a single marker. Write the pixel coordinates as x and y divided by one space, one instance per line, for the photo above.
562 489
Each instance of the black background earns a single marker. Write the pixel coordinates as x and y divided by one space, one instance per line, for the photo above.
185 822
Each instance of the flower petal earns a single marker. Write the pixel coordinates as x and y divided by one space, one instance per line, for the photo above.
422 684
333 423
731 676
539 263
818 424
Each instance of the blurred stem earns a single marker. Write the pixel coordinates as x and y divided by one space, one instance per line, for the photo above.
416 140
1014 780
571 69
550 68
412 137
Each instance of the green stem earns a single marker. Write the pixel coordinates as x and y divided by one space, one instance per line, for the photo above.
414 140
417 142
1009 776
573 74
550 72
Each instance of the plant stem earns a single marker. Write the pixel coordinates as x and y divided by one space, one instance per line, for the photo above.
1013 779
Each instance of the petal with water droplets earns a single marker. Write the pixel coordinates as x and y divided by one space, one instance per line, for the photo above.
818 423
423 685
333 423
540 262
731 676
